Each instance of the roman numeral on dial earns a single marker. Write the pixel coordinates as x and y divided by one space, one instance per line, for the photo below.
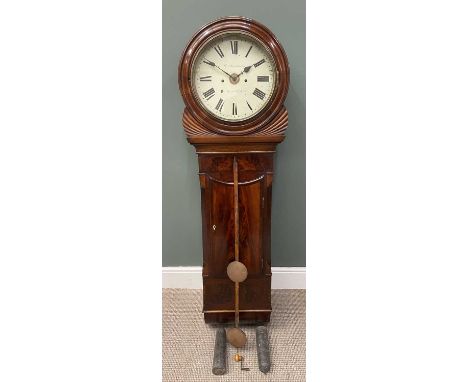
219 51
209 94
234 109
205 78
257 92
263 78
220 105
249 50
248 104
259 62
234 45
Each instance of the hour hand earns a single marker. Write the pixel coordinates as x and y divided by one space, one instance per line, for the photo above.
246 70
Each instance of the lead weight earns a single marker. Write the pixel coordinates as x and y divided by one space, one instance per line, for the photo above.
263 349
219 355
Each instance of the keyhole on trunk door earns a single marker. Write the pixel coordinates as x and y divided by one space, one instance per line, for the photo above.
214 227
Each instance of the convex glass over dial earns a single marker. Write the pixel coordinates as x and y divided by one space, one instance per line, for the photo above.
233 76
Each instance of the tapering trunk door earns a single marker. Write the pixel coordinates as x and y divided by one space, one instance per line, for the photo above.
218 195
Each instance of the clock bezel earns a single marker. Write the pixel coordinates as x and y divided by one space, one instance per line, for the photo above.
274 105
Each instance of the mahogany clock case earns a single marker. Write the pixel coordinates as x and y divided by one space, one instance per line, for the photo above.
229 150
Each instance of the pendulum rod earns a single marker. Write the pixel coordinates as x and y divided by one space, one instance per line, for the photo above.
236 237
236 211
236 335
236 319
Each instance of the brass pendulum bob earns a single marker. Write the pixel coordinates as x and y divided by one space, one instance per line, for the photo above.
237 272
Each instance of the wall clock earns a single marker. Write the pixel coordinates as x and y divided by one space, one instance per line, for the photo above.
234 78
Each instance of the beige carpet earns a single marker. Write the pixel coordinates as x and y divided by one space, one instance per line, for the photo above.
188 342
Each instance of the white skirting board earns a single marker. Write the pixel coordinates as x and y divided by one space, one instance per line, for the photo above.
191 277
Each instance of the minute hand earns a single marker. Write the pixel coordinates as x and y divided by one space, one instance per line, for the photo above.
223 71
213 64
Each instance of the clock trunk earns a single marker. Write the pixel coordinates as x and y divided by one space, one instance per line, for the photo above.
255 172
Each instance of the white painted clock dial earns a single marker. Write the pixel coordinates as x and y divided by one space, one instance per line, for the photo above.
233 76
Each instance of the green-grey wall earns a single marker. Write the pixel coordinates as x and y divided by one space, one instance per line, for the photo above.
181 223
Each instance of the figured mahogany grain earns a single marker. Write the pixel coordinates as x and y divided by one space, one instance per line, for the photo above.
251 232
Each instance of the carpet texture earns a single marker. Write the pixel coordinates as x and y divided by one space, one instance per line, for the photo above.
188 342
